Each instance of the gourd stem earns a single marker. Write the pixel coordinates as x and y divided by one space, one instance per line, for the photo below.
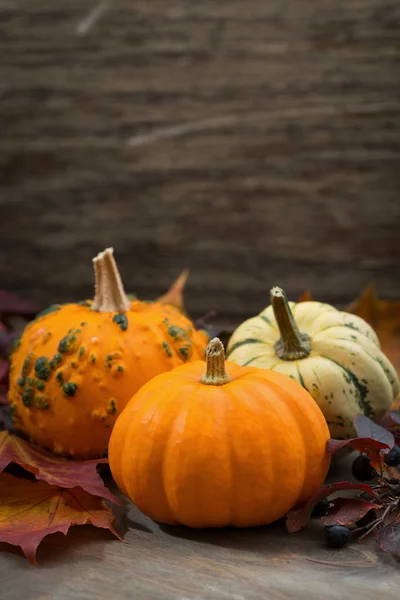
215 358
110 295
292 344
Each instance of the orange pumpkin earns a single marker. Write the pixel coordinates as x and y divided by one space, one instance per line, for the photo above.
77 365
237 448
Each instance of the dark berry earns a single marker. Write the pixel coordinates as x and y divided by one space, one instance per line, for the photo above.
337 535
321 509
362 469
392 458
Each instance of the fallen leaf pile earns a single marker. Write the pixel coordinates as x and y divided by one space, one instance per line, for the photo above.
68 493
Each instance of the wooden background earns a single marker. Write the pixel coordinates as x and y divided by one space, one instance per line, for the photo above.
256 142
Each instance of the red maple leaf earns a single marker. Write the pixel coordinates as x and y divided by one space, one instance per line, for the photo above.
54 470
31 510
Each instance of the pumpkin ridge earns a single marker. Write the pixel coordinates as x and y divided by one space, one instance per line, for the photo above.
244 343
362 390
131 409
364 338
282 395
232 457
386 371
313 335
277 392
254 358
166 445
236 392
135 473
352 322
302 382
268 322
347 393
272 367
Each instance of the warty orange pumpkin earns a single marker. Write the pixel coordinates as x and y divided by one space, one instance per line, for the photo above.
209 446
76 365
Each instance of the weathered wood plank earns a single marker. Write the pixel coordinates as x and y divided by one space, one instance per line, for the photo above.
256 143
176 563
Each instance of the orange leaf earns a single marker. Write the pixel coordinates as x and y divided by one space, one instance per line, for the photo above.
305 296
384 317
53 469
31 510
396 403
174 295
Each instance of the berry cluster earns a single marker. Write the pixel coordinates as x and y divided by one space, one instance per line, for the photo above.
337 535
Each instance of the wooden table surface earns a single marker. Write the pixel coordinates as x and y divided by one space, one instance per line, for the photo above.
181 564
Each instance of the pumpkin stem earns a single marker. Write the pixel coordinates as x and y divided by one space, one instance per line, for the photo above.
292 344
110 295
215 359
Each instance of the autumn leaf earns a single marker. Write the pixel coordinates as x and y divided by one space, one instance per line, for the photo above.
396 404
395 416
5 421
54 470
207 323
384 317
388 538
368 446
346 511
3 396
7 338
174 296
305 296
29 511
3 370
11 303
368 429
391 421
298 518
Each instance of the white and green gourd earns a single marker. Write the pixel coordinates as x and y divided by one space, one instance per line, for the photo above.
335 355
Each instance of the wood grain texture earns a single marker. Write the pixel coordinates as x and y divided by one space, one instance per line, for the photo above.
256 142
165 563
